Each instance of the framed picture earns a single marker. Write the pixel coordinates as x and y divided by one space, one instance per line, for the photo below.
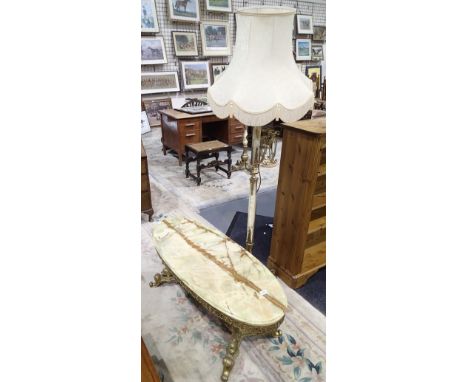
217 69
153 51
178 101
153 107
303 49
316 52
195 74
185 43
159 82
304 24
215 38
184 10
219 5
314 72
319 34
149 22
145 126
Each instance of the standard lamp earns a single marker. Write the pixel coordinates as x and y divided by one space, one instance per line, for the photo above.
261 83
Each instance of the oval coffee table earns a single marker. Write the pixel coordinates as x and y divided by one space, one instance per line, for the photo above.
222 277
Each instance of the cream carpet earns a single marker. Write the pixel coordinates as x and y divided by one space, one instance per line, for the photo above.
187 344
215 187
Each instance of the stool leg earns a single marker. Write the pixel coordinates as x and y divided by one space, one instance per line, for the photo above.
198 171
217 161
187 161
229 164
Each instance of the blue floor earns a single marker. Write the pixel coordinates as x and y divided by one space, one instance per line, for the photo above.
231 217
221 215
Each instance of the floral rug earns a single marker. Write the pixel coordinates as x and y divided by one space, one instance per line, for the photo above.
215 187
187 344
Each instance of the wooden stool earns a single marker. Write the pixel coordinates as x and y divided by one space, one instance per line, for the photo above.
205 150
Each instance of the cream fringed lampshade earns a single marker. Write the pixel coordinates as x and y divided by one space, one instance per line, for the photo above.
262 82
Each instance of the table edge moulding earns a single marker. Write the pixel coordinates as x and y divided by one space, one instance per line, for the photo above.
240 290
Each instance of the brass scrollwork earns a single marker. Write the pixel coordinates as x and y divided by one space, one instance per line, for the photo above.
238 329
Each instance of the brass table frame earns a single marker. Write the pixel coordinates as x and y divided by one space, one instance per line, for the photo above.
238 329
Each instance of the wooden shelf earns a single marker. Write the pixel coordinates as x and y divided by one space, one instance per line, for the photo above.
317 231
322 170
298 246
319 201
314 256
316 225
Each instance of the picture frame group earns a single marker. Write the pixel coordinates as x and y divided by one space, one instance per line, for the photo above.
153 51
184 10
149 20
303 49
217 70
185 43
195 74
145 126
314 72
153 106
159 82
316 52
219 5
319 33
215 38
305 24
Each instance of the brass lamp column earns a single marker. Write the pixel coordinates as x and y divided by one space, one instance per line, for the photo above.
242 163
262 83
254 166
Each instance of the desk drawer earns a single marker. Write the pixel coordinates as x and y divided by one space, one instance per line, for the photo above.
192 136
190 125
236 138
236 129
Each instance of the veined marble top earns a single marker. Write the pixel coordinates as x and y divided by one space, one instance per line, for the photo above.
220 271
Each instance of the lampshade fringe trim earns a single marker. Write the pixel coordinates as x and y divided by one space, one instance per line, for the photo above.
260 119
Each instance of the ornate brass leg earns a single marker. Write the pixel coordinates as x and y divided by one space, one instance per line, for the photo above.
268 148
277 333
231 353
160 278
242 164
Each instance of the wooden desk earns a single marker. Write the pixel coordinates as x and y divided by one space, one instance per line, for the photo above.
179 128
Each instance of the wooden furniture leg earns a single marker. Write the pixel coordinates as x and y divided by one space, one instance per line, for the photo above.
180 158
217 161
150 213
229 162
187 161
148 371
163 146
198 170
146 205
